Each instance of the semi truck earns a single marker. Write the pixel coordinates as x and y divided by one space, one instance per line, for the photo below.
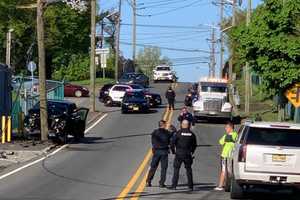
213 100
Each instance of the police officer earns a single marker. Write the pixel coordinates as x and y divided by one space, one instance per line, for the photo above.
185 115
170 95
160 146
183 145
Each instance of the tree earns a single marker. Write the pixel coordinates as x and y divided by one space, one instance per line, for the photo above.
271 44
149 57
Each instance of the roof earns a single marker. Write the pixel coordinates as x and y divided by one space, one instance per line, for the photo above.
279 125
213 80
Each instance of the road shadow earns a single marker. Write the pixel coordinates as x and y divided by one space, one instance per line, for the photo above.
127 136
160 195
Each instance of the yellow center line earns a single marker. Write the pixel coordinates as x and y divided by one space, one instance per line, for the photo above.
142 184
137 174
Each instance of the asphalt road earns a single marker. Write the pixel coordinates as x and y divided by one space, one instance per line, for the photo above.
112 161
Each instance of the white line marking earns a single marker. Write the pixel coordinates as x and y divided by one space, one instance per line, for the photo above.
98 121
51 154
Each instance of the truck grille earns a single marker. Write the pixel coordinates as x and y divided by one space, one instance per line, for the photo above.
213 105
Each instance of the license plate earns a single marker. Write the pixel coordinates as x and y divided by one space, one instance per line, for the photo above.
135 108
278 158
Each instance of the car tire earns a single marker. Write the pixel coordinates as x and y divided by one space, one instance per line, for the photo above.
108 102
78 93
236 190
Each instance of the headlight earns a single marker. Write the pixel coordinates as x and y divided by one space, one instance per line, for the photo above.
126 104
56 120
226 107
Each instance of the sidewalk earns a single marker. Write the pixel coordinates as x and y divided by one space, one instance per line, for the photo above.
20 152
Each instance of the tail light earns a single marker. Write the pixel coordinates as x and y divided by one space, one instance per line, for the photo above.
242 153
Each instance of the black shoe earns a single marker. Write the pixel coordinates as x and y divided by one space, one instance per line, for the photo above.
172 188
148 184
162 186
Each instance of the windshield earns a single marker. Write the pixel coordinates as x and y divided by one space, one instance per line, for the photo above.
134 95
213 89
273 137
163 69
137 87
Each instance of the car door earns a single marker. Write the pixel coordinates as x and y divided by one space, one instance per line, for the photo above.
118 92
78 122
68 90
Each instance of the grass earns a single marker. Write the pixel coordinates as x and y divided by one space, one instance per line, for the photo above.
259 105
99 82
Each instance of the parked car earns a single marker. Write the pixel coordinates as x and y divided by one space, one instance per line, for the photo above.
135 101
163 73
117 92
134 78
154 99
266 155
72 90
59 111
104 92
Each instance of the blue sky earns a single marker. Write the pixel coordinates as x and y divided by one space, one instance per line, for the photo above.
192 13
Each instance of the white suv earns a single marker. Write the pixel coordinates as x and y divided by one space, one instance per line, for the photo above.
163 73
266 155
117 92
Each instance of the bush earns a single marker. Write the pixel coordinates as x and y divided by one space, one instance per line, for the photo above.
77 69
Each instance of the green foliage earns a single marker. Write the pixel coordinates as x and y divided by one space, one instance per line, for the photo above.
78 69
149 57
272 44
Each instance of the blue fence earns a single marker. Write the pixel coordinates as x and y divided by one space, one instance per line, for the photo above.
24 99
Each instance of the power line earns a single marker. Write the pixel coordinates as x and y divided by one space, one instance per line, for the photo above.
168 48
168 26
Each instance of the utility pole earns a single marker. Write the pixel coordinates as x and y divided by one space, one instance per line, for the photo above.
134 32
221 38
42 70
117 41
92 56
212 68
8 48
247 67
233 23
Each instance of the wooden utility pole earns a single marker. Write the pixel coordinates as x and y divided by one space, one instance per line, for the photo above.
117 41
42 70
92 56
247 67
8 48
221 38
233 23
212 68
134 32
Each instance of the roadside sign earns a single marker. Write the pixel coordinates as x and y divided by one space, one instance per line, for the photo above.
103 60
102 51
293 95
31 66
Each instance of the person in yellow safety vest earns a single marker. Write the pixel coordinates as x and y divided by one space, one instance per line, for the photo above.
227 141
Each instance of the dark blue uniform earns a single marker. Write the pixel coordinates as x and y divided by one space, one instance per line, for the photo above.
183 145
160 146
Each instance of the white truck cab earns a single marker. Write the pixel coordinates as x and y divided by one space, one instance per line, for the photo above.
212 99
163 73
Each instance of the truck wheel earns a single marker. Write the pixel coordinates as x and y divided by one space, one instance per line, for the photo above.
237 191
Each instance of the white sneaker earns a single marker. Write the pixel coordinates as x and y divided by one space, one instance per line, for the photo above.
218 188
